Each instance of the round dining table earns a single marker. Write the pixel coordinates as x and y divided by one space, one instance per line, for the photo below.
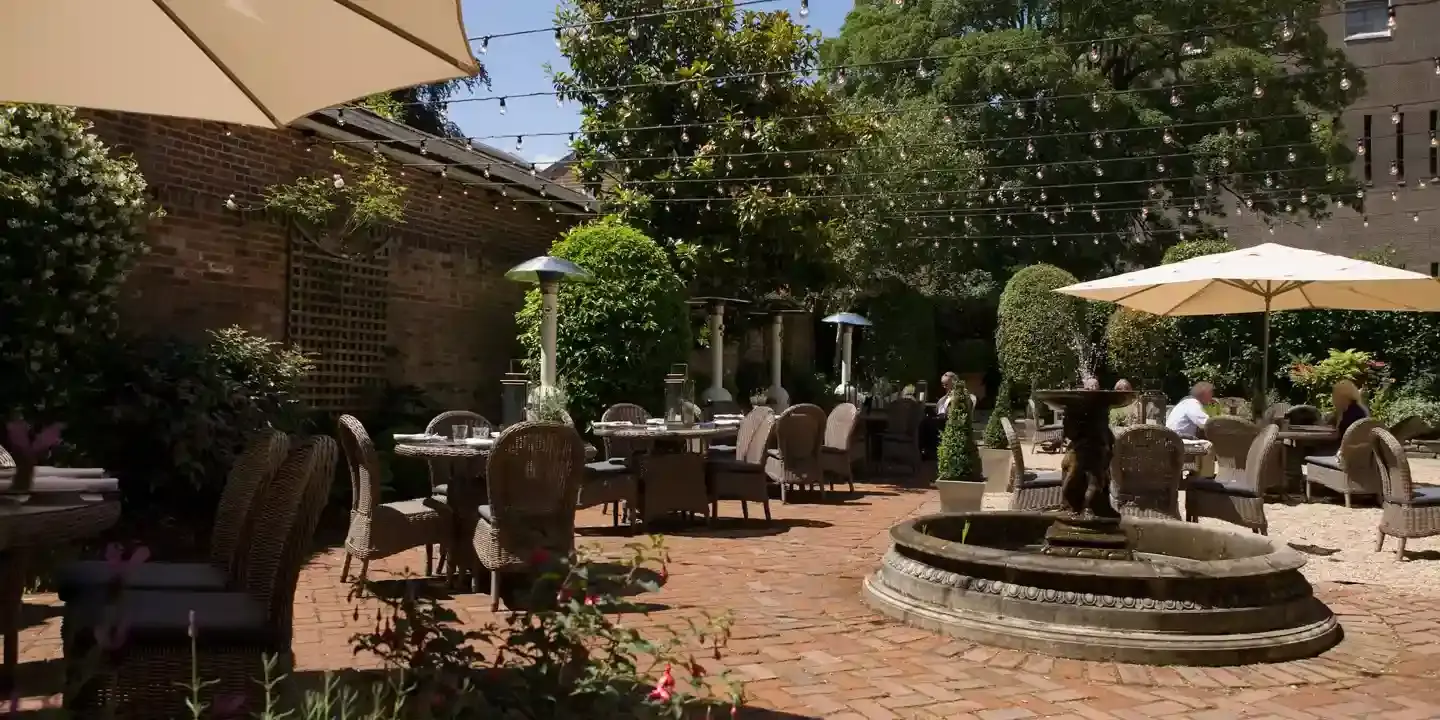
672 473
1297 441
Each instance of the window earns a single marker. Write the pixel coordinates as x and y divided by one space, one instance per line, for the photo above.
1367 19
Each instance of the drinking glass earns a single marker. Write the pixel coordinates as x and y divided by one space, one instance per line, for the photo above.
482 432
459 432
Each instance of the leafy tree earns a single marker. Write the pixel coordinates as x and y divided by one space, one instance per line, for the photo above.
740 194
1165 117
1039 334
901 344
617 335
423 107
957 457
71 223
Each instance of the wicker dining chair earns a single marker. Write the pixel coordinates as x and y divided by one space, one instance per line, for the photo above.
1047 435
251 474
748 427
721 407
1030 490
619 450
379 530
613 479
1406 429
1407 511
5 460
742 476
837 456
1146 471
534 474
231 632
795 459
445 471
1237 492
1353 470
900 439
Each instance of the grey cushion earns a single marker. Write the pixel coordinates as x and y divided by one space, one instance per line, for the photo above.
163 617
1040 480
1426 496
733 465
486 514
1211 485
722 449
1326 461
441 490
606 467
88 576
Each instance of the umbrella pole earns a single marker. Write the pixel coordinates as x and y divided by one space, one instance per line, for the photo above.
1265 355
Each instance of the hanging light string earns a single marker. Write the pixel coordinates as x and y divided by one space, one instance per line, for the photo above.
484 40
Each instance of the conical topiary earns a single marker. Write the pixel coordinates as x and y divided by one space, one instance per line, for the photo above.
958 458
994 431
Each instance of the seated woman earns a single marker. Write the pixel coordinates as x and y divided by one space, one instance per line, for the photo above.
1348 408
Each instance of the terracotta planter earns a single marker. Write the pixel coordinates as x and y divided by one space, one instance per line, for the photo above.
960 495
996 465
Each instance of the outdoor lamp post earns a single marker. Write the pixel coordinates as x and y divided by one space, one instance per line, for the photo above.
547 272
716 309
846 322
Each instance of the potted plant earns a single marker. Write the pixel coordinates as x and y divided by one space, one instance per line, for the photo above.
996 456
958 475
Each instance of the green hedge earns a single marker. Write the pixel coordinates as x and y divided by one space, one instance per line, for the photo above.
1038 328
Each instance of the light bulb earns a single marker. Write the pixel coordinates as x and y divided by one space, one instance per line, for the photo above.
1095 192
1160 166
1434 142
1099 171
1394 196
519 141
1314 126
1175 98
1269 181
230 203
559 37
1258 92
502 106
1167 138
840 77
1286 32
1304 197
1039 173
1394 169
1390 17
1030 148
1344 82
1095 139
339 118
804 8
1290 156
1360 146
1224 162
1094 53
1365 219
1395 115
1239 130
444 173
424 146
1095 103
484 45
1415 217
633 33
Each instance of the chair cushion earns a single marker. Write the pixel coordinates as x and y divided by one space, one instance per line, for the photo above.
773 452
722 449
1220 487
87 576
1426 496
1041 480
441 490
486 514
163 617
732 465
607 467
1052 427
1326 461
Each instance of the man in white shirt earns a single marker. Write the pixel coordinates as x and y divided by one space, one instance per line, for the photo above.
1188 417
931 427
942 406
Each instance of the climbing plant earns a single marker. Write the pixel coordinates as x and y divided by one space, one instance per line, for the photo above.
342 207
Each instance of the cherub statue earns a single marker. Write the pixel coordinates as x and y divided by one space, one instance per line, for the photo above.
1086 466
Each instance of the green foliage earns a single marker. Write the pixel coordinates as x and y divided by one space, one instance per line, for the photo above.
718 136
343 206
1009 70
169 417
549 404
1138 344
1221 349
618 335
71 223
994 431
1317 379
424 107
901 344
957 457
1039 329
1407 404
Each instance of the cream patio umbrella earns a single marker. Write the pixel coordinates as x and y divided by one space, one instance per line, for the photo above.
1264 278
247 62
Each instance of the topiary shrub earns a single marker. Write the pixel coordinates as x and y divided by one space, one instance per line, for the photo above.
1138 343
957 458
1039 330
994 431
618 335
71 218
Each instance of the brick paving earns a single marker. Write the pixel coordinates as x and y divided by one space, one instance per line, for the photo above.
807 647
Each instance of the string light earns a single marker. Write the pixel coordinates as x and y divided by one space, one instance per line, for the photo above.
804 8
502 106
1395 115
1258 92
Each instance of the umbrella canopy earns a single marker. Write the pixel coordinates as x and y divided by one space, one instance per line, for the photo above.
847 318
247 62
1262 278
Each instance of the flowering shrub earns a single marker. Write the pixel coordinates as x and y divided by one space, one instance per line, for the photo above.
72 221
1317 379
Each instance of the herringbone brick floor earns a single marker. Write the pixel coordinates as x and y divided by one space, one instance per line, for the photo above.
807 646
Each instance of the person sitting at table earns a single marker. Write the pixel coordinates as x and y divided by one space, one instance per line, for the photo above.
1123 385
1130 414
1090 383
932 426
1188 417
1348 408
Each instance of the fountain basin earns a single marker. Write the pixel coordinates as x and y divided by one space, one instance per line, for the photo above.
1193 595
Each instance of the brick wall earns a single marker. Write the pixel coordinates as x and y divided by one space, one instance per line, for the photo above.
450 310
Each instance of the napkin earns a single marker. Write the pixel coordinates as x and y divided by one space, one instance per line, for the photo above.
417 437
44 471
479 442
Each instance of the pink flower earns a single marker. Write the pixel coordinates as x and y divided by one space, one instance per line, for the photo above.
664 689
592 599
19 438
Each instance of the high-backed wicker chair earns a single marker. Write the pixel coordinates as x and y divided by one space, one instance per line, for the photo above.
444 471
534 475
231 631
251 474
1047 435
837 459
900 441
1030 490
5 460
379 530
1274 413
1146 471
619 450
748 427
1408 512
1408 428
742 476
795 459
1304 415
1353 470
613 479
721 407
1236 493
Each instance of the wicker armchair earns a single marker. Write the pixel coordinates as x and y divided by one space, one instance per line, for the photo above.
1146 471
380 530
1030 491
795 459
5 460
251 474
722 407
444 471
1407 429
1049 436
534 474
900 440
613 480
748 427
743 477
1236 493
837 449
1407 511
1351 471
231 631
619 450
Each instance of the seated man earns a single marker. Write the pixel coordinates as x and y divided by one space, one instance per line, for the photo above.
933 426
1188 417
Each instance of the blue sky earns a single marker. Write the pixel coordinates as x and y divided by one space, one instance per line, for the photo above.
517 65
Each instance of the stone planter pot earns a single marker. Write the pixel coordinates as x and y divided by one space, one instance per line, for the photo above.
996 466
958 496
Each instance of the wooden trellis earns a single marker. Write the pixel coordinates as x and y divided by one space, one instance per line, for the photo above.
337 310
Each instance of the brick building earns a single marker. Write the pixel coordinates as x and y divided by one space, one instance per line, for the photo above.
430 308
1409 87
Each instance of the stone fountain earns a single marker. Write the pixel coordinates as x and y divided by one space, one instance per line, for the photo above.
1088 584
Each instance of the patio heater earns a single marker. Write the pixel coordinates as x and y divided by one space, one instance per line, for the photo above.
547 272
779 396
716 311
846 322
514 391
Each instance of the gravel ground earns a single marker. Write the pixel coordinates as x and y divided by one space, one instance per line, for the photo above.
1339 542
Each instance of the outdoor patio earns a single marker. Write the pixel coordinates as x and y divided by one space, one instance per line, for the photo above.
808 648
